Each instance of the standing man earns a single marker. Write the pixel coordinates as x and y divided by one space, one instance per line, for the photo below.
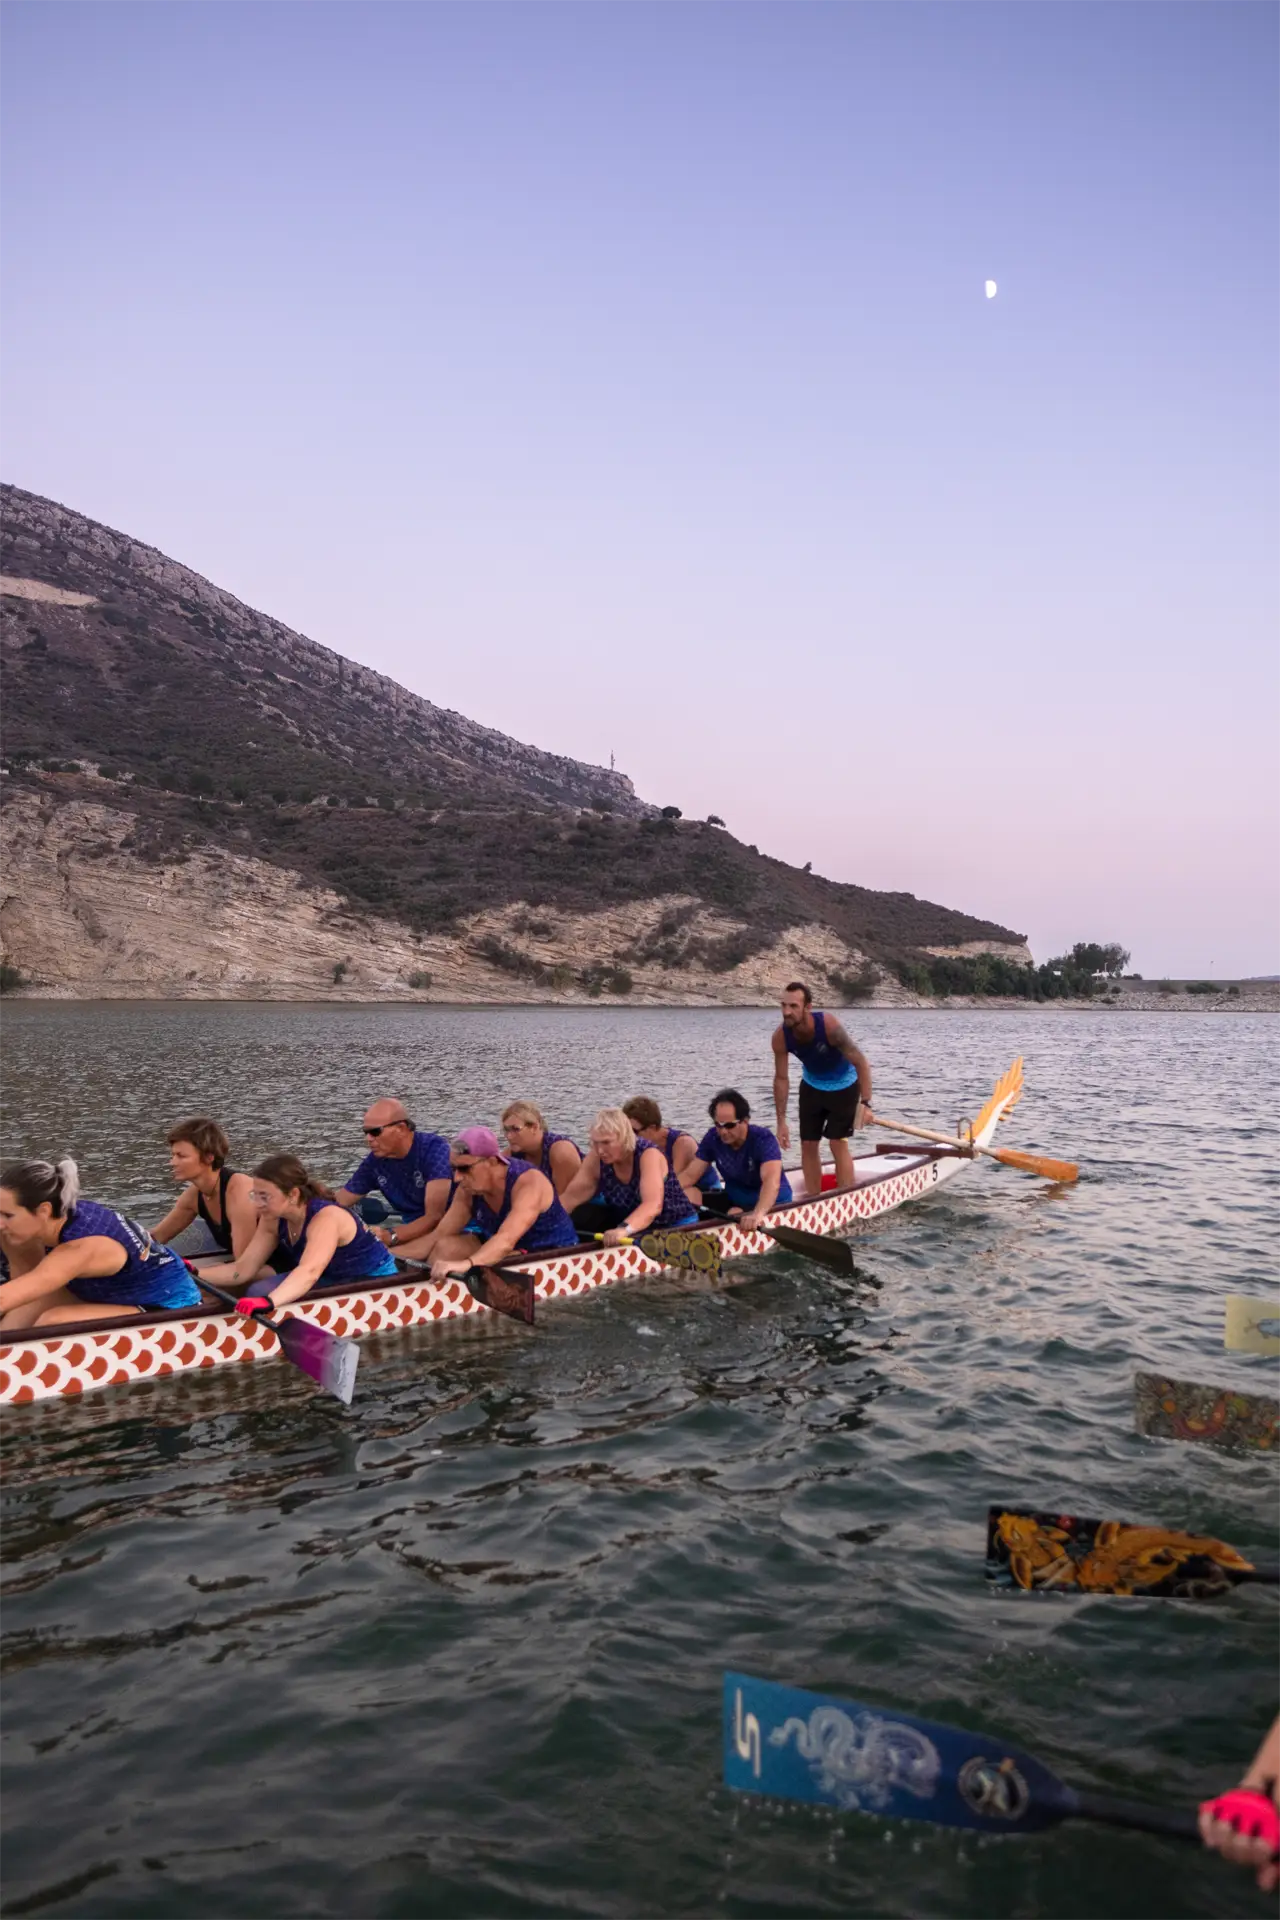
835 1084
410 1169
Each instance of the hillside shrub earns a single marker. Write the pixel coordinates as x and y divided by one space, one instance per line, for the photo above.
11 978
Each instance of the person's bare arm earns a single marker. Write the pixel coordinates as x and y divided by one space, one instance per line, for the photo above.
179 1217
690 1174
1222 1828
95 1256
566 1163
251 1263
840 1039
781 1088
242 1215
529 1197
323 1237
453 1220
435 1204
770 1181
653 1176
583 1184
681 1154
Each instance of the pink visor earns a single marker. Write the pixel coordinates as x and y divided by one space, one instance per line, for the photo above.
479 1143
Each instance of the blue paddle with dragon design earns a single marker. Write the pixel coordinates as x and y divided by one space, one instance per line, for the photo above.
812 1747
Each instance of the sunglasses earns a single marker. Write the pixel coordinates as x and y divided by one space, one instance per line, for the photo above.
728 1126
464 1166
371 1133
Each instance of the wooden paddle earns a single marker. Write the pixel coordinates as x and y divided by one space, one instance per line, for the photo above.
329 1361
1252 1325
1061 1553
1063 1171
1211 1416
823 1751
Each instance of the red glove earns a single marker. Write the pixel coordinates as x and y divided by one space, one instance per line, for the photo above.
254 1303
1250 1812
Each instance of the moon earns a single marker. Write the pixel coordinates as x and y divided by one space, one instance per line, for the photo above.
990 289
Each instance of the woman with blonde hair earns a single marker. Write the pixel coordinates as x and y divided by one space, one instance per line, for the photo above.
529 1139
637 1189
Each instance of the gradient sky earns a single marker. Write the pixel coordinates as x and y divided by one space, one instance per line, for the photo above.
622 377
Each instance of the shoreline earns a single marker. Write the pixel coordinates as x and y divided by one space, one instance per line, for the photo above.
1261 997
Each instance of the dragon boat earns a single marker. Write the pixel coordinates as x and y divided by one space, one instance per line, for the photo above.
73 1357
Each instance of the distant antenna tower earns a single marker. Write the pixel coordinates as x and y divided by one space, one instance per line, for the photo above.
611 765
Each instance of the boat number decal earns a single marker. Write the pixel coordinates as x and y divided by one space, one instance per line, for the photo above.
994 1788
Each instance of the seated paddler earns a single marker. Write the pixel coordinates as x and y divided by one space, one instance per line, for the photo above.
625 1186
530 1139
211 1191
680 1147
303 1239
747 1157
501 1207
408 1167
66 1258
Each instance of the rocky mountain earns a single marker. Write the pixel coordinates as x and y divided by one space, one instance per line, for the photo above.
261 829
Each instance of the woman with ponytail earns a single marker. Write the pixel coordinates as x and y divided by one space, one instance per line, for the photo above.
303 1235
64 1258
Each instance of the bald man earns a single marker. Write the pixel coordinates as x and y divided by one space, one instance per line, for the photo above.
411 1170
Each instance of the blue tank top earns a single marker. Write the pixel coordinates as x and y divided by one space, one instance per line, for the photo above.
551 1228
821 1064
710 1179
364 1258
152 1275
676 1207
550 1140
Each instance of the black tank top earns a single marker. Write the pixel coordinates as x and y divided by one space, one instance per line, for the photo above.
220 1229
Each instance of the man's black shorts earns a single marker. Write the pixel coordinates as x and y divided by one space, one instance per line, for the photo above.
827 1114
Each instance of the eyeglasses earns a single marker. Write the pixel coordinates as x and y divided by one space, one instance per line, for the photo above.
371 1133
727 1126
463 1166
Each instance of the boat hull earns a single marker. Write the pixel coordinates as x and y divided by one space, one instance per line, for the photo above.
81 1357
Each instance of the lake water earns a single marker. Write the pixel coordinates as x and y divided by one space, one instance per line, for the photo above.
457 1650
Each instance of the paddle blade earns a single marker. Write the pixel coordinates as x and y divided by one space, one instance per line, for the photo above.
1210 1416
1008 1088
1252 1325
811 1747
504 1289
675 1248
1064 1171
331 1362
1059 1552
836 1254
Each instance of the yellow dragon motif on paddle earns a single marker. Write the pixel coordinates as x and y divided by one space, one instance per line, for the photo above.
1119 1558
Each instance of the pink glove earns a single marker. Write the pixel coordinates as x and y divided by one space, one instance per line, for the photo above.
1251 1813
254 1303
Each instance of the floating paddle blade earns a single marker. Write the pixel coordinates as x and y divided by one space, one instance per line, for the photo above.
505 1289
836 1254
1008 1088
811 1747
330 1361
1211 1416
1252 1325
1064 1171
1061 1553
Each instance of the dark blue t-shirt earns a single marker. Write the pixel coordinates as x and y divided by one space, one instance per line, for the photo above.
740 1166
404 1182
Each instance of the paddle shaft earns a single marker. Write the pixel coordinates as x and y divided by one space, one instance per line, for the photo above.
1173 1822
233 1300
1062 1170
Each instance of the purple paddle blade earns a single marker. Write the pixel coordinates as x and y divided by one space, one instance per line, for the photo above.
331 1362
